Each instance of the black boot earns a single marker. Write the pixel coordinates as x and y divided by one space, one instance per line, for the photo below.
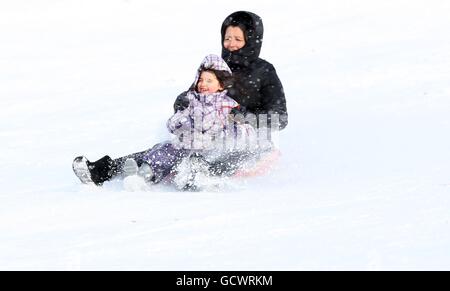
102 170
97 172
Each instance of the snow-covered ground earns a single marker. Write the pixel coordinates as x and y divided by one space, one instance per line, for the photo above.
363 183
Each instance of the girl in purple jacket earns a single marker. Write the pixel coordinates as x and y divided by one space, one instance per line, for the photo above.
202 129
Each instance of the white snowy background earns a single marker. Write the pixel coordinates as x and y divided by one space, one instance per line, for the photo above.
363 183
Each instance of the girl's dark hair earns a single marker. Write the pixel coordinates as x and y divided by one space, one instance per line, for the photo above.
225 78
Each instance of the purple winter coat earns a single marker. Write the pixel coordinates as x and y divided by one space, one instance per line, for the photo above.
206 120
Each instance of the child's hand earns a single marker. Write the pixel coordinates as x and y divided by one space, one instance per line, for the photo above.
236 118
237 114
238 110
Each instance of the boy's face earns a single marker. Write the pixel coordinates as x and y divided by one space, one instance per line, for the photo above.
208 83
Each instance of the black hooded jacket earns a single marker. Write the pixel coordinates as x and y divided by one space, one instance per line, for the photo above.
256 86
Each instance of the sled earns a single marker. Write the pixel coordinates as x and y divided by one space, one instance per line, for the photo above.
261 168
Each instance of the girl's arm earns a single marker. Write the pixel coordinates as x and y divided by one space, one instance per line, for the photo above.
179 122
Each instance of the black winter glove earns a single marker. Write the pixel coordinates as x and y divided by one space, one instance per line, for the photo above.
238 115
238 110
181 102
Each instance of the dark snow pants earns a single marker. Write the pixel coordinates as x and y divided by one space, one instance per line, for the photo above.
162 158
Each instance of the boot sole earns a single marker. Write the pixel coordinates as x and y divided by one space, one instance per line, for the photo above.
81 170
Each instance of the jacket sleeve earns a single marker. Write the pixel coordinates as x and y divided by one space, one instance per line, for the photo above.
179 122
273 99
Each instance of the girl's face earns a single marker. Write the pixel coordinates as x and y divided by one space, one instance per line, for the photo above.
208 83
234 38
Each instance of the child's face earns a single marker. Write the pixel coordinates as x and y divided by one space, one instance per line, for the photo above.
208 83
